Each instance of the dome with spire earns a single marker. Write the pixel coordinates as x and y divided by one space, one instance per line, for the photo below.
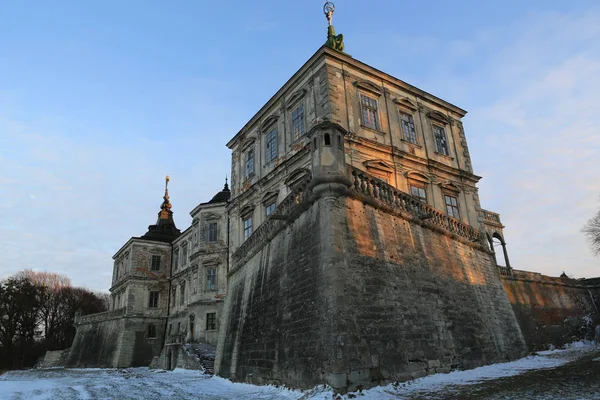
164 230
222 196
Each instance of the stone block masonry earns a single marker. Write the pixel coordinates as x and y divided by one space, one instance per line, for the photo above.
349 294
551 310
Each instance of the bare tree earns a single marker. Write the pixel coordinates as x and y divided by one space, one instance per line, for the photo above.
592 231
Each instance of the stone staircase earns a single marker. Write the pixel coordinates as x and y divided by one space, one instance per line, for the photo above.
203 353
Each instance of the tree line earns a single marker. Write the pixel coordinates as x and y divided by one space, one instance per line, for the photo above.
37 310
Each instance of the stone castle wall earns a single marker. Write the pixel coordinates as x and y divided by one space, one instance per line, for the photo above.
350 294
112 340
551 311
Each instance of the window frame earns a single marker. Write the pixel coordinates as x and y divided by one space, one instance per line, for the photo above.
211 278
368 107
422 199
152 332
271 148
249 163
211 321
298 121
182 293
209 238
272 205
153 299
155 266
407 136
247 229
440 140
454 210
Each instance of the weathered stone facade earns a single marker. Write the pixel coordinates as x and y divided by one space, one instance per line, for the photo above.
353 250
168 289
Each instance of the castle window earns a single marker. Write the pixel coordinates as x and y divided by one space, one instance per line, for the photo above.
441 142
298 128
184 255
211 279
247 227
370 117
327 140
153 300
451 206
182 293
315 144
271 145
419 192
195 280
151 331
249 165
211 321
408 128
212 232
270 208
340 141
155 263
176 260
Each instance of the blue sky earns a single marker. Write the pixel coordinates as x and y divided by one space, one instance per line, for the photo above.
99 100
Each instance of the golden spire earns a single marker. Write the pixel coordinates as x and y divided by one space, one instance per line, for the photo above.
166 205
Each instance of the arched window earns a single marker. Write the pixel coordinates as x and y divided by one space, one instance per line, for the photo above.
327 139
499 249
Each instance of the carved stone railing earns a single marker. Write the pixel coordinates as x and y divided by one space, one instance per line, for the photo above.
103 316
506 271
368 185
275 221
492 217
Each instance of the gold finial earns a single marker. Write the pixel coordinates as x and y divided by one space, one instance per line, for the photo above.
166 205
328 10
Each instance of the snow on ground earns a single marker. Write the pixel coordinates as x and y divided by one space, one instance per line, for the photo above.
142 383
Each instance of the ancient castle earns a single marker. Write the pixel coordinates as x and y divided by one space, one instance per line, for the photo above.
351 249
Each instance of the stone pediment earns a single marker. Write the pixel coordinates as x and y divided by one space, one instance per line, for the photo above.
406 103
368 86
438 117
269 196
449 186
267 123
210 216
248 143
295 98
418 176
296 176
378 164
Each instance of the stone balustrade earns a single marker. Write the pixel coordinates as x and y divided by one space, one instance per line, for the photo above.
103 316
492 217
275 221
506 271
376 189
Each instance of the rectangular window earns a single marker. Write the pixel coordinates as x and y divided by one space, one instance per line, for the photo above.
247 228
408 128
195 282
270 208
441 143
298 129
155 263
176 260
369 112
211 321
153 300
151 331
174 295
249 171
170 327
212 232
271 145
419 192
182 294
184 255
452 206
211 279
